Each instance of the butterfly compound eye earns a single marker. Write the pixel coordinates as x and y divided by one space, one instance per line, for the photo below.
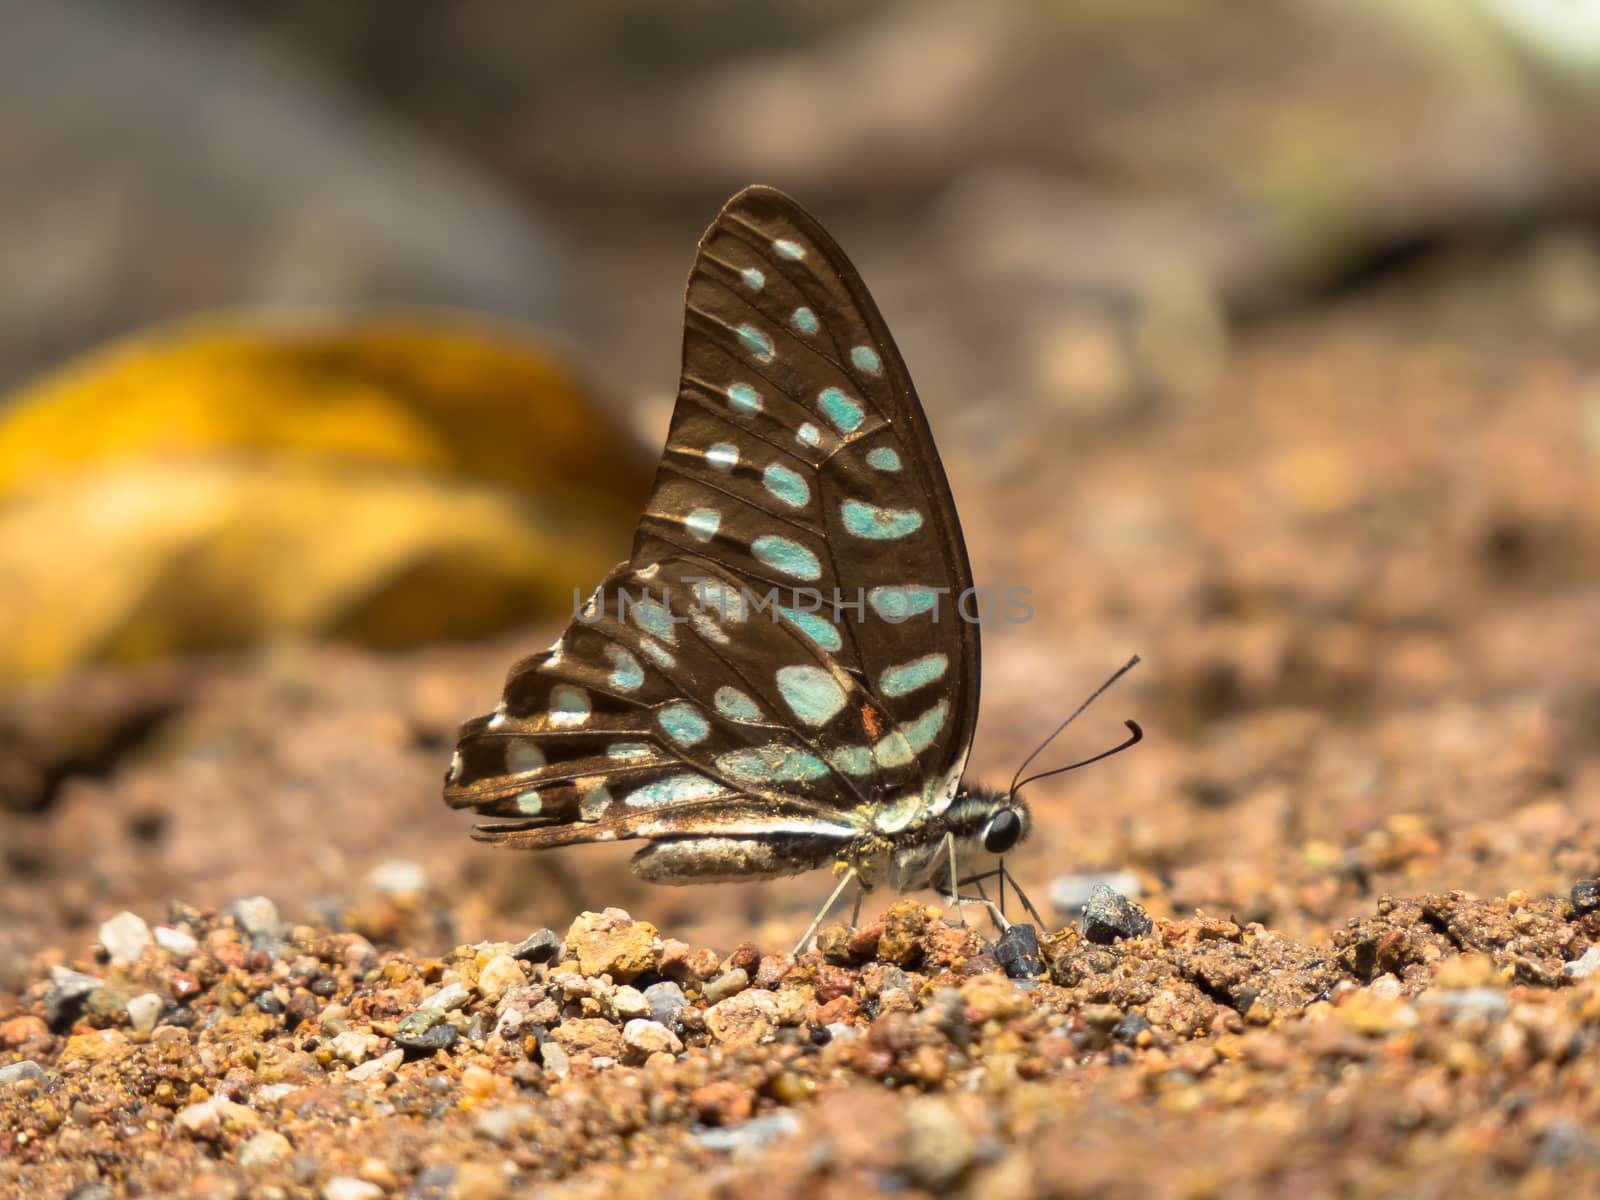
1003 832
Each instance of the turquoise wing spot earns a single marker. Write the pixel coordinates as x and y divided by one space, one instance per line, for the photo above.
819 629
809 434
724 456
880 524
845 413
907 677
569 706
594 803
884 458
851 760
812 694
866 359
784 248
626 675
658 653
753 279
530 804
736 705
744 397
651 615
683 724
674 789
788 486
896 604
703 523
786 555
921 732
757 342
522 757
772 763
804 320
623 751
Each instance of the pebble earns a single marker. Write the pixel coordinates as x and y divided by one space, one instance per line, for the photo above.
264 1149
629 1002
1586 896
1109 915
749 1135
538 947
1072 893
554 1058
18 1071
22 1029
353 1047
144 1011
446 999
1018 952
1490 1003
398 878
613 943
257 916
591 1036
1582 968
666 1001
208 1116
125 936
727 984
175 941
743 1019
499 973
348 1187
429 1040
373 1068
68 993
648 1037
939 1144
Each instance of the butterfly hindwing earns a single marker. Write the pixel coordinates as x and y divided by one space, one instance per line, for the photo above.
792 655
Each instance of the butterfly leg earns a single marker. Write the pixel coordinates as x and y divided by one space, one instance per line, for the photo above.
845 881
1023 896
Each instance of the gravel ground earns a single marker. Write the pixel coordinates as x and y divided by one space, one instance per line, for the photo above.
1364 831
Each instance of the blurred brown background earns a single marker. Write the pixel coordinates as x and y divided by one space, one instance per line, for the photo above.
1257 338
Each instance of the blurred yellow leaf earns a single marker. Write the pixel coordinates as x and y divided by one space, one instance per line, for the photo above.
390 481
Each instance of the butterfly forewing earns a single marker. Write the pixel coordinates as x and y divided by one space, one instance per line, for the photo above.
789 655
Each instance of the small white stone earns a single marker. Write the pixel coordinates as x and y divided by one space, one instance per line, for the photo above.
648 1037
124 936
175 941
347 1187
630 1002
144 1011
267 1147
399 878
376 1067
449 997
353 1047
1582 968
499 973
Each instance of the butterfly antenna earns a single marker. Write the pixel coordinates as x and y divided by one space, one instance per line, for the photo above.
1136 736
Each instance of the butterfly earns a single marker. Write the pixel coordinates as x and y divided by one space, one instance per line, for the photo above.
782 677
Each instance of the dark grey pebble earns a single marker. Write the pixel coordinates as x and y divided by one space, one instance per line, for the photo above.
1110 915
433 1183
541 946
64 1002
1586 896
439 1037
666 1001
1018 952
1130 1027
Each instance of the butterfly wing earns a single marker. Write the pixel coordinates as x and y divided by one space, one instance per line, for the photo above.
797 662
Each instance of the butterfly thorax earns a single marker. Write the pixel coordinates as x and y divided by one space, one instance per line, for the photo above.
979 824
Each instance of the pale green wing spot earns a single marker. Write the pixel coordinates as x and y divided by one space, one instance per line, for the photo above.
812 694
907 677
880 524
786 555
